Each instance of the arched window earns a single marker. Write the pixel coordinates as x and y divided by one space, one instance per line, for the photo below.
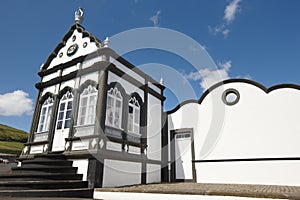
65 111
114 108
45 115
134 109
87 106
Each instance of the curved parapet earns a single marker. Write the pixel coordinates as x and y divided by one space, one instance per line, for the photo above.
243 132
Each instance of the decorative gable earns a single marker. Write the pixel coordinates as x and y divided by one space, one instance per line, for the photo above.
76 43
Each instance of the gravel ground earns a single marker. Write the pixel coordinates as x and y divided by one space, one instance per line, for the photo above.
257 191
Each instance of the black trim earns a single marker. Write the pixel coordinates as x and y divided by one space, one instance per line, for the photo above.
35 118
237 80
99 52
101 65
64 91
52 125
62 66
86 84
45 97
110 155
120 59
164 149
56 80
35 143
143 129
95 173
113 68
247 160
231 91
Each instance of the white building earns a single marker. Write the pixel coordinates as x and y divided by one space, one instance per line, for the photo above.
93 108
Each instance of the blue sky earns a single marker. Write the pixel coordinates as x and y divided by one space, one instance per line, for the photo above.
257 39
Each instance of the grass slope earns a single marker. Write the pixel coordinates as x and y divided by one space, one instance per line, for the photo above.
11 140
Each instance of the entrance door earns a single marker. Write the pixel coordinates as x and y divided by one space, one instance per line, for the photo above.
63 122
183 153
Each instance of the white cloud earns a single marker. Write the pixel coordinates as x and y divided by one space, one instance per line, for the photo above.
230 10
226 32
16 103
155 18
208 77
229 15
217 29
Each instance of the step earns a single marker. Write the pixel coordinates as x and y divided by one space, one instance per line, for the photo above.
49 157
46 184
67 193
44 169
33 163
41 176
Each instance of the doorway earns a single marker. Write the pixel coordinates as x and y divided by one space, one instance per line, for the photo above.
182 155
63 122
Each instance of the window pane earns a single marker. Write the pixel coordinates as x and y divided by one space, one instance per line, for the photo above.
118 104
130 122
130 109
137 116
109 115
69 114
92 100
44 110
136 129
81 120
69 107
40 129
60 115
83 101
67 124
59 125
62 106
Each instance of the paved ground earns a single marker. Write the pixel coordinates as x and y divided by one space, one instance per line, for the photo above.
6 168
257 191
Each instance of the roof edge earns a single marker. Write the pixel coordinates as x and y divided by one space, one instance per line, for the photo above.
62 43
233 80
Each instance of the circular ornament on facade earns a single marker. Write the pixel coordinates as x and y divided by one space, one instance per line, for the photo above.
72 49
231 97
73 38
85 44
61 54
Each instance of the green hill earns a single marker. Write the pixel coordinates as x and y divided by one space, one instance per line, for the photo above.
11 140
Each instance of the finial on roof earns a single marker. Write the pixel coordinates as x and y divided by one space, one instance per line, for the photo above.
161 81
106 42
79 16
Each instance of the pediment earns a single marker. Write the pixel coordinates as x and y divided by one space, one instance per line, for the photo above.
77 42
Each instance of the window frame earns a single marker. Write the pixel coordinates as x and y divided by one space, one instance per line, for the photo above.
45 117
114 96
67 98
134 122
92 92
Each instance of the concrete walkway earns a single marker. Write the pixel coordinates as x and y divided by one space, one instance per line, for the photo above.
253 191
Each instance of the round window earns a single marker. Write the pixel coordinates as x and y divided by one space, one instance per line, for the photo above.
231 97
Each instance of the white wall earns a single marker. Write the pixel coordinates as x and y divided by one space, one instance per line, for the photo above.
262 172
120 173
127 70
153 173
154 128
91 47
260 125
129 88
83 165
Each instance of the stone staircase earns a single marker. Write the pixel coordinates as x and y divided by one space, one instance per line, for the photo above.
46 175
